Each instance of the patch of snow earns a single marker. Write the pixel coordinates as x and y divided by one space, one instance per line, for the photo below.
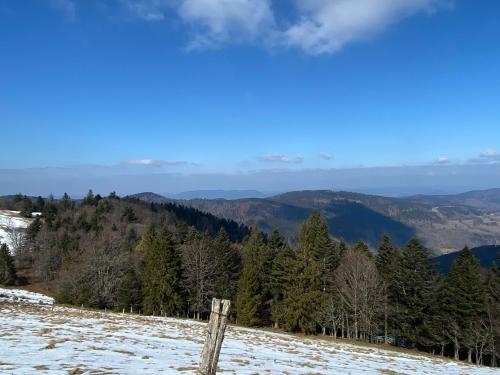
61 339
9 221
24 296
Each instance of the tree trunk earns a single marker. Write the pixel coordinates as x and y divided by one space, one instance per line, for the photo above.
457 349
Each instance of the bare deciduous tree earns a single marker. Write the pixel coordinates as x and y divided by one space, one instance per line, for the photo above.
358 286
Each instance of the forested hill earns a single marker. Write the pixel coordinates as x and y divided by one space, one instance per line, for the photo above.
486 255
444 226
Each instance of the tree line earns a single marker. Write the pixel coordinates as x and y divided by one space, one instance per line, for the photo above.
123 254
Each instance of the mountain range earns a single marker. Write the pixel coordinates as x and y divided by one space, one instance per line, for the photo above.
445 223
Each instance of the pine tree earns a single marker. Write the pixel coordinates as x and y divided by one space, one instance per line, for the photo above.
162 273
415 284
7 269
464 301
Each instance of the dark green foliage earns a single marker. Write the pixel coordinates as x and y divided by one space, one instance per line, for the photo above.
227 266
49 211
387 258
463 300
162 273
129 215
27 207
89 199
414 284
250 300
65 203
7 269
362 248
306 285
281 256
129 294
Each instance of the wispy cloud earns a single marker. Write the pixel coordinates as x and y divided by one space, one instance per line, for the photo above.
218 22
148 10
66 7
443 160
152 162
488 156
325 26
326 155
313 26
280 158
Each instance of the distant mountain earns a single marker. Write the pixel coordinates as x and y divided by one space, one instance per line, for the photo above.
485 200
217 194
355 216
485 254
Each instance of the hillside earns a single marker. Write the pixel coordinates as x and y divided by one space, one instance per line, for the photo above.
354 216
485 254
485 200
62 340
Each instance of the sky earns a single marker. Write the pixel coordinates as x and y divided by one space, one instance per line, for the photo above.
235 94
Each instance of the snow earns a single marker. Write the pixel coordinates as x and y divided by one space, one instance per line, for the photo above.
10 220
63 340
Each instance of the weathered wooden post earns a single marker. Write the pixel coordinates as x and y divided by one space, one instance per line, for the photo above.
215 334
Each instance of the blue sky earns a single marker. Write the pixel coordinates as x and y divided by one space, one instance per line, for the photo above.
238 86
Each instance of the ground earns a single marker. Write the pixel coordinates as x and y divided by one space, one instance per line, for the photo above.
37 336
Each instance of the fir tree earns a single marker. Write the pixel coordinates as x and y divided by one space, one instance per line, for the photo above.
26 207
464 301
65 203
129 294
307 286
415 283
89 199
250 307
49 211
362 248
162 273
7 269
227 266
387 262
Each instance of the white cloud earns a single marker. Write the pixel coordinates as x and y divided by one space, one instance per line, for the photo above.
217 22
314 26
325 26
280 158
152 162
443 160
326 155
66 7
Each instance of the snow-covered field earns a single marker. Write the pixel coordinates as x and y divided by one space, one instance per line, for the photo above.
11 220
38 336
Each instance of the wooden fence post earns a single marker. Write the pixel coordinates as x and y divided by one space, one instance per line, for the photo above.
215 334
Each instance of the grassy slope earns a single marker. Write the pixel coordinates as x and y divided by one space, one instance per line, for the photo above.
64 340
